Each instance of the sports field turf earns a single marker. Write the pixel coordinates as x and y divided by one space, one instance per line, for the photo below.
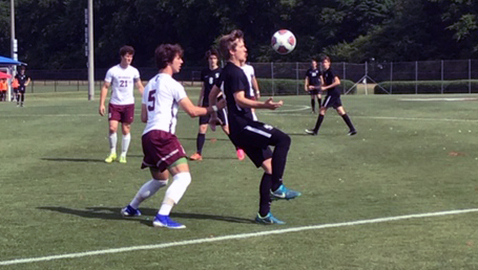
413 155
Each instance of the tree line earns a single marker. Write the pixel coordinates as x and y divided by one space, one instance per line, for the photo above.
51 33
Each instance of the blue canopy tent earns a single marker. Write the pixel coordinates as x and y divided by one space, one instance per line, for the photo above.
5 61
7 64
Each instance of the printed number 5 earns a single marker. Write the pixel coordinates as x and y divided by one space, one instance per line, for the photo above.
151 99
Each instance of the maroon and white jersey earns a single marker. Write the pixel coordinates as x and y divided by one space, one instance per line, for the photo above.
161 97
122 82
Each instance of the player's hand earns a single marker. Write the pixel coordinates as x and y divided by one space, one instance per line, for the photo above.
311 87
271 105
258 95
221 104
214 121
102 110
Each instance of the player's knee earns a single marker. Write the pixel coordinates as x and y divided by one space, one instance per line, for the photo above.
283 140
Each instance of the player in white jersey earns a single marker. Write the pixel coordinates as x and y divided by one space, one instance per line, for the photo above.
163 153
254 91
122 78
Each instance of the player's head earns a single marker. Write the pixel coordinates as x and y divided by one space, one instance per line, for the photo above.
22 69
232 46
169 55
212 57
126 54
313 63
325 62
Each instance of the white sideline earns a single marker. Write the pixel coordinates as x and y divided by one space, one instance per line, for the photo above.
233 237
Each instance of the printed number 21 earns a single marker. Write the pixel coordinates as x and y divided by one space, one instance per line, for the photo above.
151 99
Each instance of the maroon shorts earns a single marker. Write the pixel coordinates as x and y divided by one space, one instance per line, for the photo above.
161 149
121 113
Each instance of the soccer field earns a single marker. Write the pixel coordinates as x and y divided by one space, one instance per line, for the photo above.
401 194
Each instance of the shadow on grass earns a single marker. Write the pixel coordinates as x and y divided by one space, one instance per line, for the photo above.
75 159
83 159
112 213
300 134
210 139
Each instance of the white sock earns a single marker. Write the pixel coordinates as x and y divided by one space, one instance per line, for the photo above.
113 139
147 190
175 192
125 145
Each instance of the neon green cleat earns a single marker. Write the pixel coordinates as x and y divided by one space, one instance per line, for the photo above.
110 158
122 159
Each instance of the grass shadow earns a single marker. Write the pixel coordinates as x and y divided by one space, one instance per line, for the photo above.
75 159
113 213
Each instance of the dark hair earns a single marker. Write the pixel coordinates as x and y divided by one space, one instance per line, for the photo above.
210 52
126 49
229 42
165 54
324 57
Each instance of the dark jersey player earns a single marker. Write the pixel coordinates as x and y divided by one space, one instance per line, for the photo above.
312 84
23 81
209 77
252 136
332 100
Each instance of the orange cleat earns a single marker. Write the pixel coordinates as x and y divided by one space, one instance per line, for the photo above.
240 154
196 156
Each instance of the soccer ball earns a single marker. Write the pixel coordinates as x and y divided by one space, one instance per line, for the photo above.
283 41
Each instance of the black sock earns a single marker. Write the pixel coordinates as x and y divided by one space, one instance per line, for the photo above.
320 119
18 98
281 143
265 195
312 103
320 102
348 122
23 98
200 142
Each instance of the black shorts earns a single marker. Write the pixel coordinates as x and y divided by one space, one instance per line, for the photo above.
255 140
21 89
221 114
15 90
332 101
313 92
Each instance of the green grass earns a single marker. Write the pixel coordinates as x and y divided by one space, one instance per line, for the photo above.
409 157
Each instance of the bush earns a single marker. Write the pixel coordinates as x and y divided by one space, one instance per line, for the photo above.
427 87
293 87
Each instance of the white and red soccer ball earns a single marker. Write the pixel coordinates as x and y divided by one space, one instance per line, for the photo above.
283 41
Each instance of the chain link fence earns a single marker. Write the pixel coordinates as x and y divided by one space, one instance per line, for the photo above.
368 74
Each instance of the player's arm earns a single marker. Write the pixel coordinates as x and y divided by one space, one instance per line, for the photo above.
28 81
103 94
201 95
334 84
255 86
213 94
244 102
306 84
144 113
140 86
194 111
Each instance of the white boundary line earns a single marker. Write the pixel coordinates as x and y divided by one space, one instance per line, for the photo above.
234 237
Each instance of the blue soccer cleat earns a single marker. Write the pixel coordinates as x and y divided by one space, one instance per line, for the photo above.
129 211
269 219
165 221
283 193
